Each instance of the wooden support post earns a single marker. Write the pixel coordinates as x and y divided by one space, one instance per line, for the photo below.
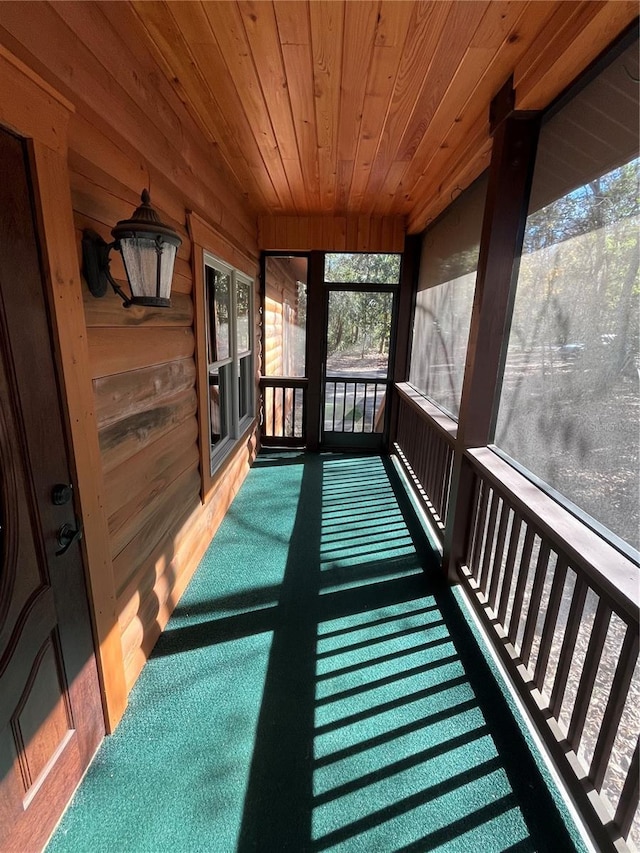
510 175
315 346
404 324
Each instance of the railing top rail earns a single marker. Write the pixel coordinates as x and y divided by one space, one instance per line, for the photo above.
357 380
446 425
607 570
283 381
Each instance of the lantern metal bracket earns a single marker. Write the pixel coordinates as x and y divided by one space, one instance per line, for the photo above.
96 266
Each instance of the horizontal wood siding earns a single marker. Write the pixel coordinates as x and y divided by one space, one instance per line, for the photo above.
130 131
143 366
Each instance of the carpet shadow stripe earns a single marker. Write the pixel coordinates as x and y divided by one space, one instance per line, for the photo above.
400 766
383 707
408 804
394 734
371 662
388 679
396 635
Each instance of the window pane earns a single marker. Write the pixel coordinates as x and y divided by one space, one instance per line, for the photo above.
363 269
569 404
245 387
219 387
286 316
358 331
243 316
444 300
219 306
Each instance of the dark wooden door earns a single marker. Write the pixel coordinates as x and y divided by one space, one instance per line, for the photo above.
51 719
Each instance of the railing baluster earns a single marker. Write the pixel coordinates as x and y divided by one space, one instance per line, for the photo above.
628 802
375 406
514 540
293 413
497 561
523 574
533 610
364 410
478 538
344 405
489 538
550 621
442 463
477 488
589 673
428 468
615 707
273 412
333 421
568 646
353 414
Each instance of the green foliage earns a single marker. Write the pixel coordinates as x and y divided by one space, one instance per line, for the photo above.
362 268
360 319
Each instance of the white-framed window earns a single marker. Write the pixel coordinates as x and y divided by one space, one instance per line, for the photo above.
229 328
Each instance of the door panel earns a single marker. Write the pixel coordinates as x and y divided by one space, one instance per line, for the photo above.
358 344
51 718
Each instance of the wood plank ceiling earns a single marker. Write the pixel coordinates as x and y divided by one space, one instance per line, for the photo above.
376 107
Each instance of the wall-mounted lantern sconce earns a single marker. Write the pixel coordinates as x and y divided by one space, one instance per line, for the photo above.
148 250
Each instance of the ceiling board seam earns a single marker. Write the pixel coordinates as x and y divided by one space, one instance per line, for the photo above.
389 101
264 98
369 189
222 55
415 179
189 105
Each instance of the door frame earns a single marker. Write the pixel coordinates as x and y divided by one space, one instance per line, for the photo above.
33 110
373 441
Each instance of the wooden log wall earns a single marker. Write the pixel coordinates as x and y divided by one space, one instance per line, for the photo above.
141 360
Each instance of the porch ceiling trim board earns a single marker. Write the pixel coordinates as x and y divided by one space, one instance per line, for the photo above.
36 112
331 233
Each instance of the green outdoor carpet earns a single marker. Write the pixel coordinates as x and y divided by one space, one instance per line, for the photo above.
318 688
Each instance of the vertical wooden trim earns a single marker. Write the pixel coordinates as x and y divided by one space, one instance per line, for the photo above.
404 325
510 176
202 384
60 263
315 346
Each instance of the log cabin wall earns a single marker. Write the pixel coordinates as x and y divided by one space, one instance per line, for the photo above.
142 361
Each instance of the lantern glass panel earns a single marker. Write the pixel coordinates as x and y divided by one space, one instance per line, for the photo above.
167 260
141 263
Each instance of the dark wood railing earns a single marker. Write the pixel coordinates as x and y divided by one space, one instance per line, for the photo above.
424 444
354 405
559 604
563 607
283 417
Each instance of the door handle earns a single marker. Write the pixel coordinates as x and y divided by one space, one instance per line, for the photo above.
67 535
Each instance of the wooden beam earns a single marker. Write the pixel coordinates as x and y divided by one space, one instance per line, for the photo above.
63 278
503 226
315 346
